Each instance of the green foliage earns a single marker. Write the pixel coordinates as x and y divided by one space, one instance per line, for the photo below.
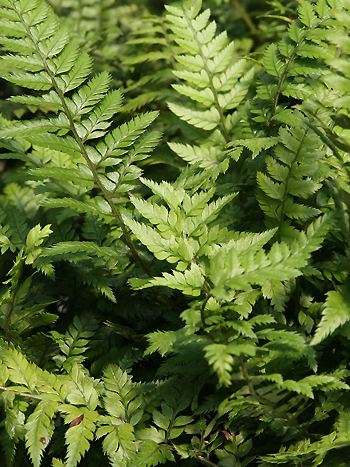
214 81
293 175
174 233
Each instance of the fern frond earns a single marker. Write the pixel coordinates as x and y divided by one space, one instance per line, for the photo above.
41 384
75 342
176 231
211 76
119 444
122 397
152 454
81 389
67 250
293 65
219 86
79 434
150 52
282 262
336 312
221 358
294 175
169 253
39 430
190 282
84 114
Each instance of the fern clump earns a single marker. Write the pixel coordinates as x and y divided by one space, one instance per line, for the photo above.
174 233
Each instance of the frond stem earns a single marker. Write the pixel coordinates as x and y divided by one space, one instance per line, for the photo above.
206 462
11 305
27 395
248 381
204 304
246 17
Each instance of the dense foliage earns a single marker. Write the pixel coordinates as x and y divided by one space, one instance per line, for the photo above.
175 233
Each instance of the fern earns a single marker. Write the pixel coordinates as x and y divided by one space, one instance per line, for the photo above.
149 49
294 174
173 284
334 315
210 80
79 434
75 342
293 65
86 114
39 430
186 217
123 405
93 23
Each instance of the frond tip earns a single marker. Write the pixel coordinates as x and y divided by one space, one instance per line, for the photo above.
336 312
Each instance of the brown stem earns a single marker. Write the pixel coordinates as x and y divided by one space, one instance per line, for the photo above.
11 304
205 301
206 462
248 381
246 17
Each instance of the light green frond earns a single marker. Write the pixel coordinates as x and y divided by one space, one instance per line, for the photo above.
212 76
206 157
189 282
336 312
39 430
122 397
91 93
281 263
221 358
116 143
79 434
119 444
84 105
202 119
294 64
71 250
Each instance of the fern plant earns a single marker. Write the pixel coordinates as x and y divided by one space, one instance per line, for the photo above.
83 117
175 295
